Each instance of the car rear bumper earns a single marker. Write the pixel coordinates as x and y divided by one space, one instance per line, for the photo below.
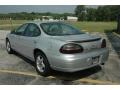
76 62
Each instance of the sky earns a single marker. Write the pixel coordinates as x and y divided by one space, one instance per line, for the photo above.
38 8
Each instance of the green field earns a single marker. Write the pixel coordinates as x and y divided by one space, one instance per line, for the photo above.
86 26
95 26
9 25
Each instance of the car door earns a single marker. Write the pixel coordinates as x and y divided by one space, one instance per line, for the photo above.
15 37
29 39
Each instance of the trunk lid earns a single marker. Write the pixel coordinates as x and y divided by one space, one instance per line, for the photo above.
88 42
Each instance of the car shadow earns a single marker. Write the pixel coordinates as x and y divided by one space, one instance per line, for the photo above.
66 77
25 59
114 40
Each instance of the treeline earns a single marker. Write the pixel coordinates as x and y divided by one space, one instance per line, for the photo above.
33 15
101 13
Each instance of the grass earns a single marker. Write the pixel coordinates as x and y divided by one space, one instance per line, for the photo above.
95 26
87 26
9 25
3 22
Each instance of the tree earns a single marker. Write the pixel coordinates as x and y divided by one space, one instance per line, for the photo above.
80 12
91 14
115 11
103 13
107 13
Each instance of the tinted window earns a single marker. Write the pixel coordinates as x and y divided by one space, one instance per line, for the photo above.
32 30
21 29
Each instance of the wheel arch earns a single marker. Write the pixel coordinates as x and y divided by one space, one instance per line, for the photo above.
38 50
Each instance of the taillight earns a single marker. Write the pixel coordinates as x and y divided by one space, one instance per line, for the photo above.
71 48
103 45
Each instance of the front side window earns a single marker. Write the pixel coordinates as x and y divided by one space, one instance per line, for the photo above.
32 30
20 30
59 29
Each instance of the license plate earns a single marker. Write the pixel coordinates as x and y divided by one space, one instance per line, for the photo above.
95 60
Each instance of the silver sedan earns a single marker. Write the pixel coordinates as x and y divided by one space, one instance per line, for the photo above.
58 46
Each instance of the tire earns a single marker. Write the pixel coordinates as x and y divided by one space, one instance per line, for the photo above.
42 64
8 47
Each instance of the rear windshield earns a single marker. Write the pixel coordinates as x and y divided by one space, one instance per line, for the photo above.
59 29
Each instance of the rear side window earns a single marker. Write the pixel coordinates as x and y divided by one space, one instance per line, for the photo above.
21 29
32 30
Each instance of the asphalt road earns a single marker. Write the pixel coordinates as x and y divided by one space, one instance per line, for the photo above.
16 69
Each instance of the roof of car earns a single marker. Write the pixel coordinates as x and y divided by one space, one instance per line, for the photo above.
39 22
